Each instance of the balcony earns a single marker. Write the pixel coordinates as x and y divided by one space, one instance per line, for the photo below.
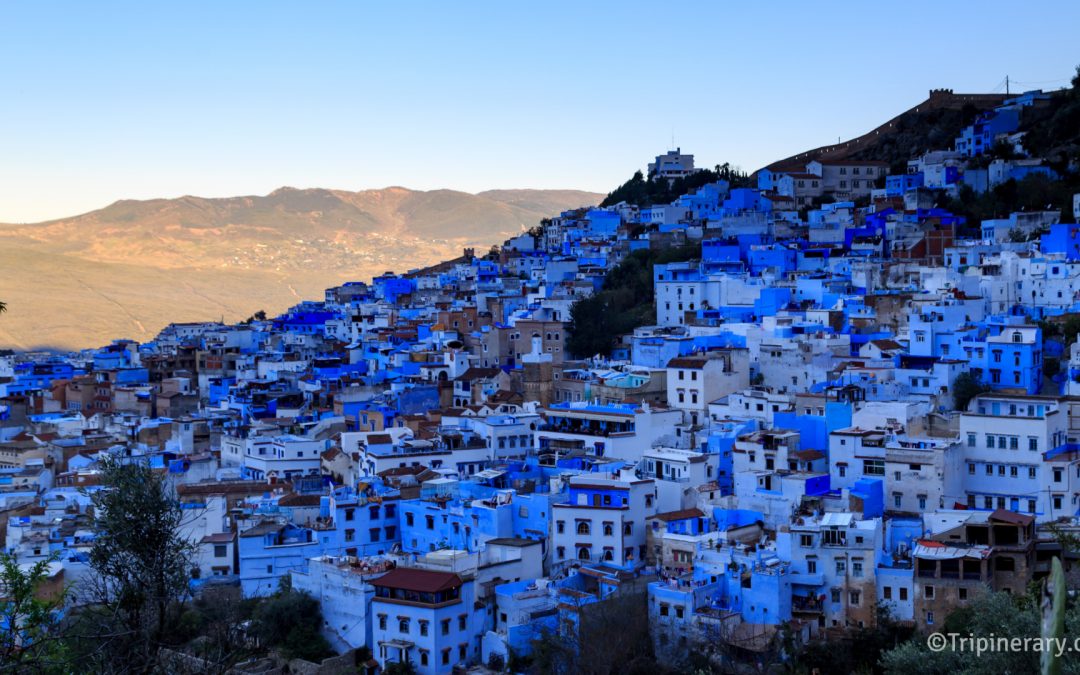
584 431
810 604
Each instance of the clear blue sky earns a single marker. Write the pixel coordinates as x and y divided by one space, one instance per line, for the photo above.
102 101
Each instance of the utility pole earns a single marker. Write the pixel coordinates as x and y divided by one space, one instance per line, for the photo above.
1006 85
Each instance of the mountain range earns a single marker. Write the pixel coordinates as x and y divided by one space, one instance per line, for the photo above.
132 267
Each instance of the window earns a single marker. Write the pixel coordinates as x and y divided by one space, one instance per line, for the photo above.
423 627
375 533
220 550
873 467
886 592
349 514
841 567
1033 443
423 657
928 592
628 528
445 626
446 656
930 618
971 468
962 593
903 593
583 527
811 566
854 597
374 512
856 567
898 499
806 540
663 609
461 621
560 526
409 519
403 626
382 622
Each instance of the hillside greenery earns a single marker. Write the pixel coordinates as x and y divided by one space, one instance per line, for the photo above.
916 133
624 303
642 191
1053 132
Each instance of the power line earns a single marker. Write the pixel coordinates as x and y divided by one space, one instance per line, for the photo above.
1060 79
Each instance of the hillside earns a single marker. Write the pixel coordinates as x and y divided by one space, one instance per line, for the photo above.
931 124
133 266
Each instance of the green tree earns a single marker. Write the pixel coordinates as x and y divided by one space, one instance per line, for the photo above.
642 191
966 387
289 620
3 307
29 616
212 626
990 614
860 649
624 303
610 636
140 567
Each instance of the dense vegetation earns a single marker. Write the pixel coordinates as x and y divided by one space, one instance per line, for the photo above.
917 132
643 191
990 614
624 303
1033 193
1053 132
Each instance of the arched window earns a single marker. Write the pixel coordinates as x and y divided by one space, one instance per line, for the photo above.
609 554
583 553
583 527
608 530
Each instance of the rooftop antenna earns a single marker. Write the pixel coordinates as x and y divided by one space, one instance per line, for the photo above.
1006 85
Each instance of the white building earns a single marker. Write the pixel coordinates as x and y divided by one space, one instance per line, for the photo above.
603 520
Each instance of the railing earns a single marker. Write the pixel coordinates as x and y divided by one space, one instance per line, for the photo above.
583 430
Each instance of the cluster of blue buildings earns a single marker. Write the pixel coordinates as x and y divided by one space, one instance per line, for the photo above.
789 442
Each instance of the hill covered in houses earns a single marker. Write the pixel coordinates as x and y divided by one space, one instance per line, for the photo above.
787 422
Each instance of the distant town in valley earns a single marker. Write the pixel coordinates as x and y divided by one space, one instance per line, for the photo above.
791 420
